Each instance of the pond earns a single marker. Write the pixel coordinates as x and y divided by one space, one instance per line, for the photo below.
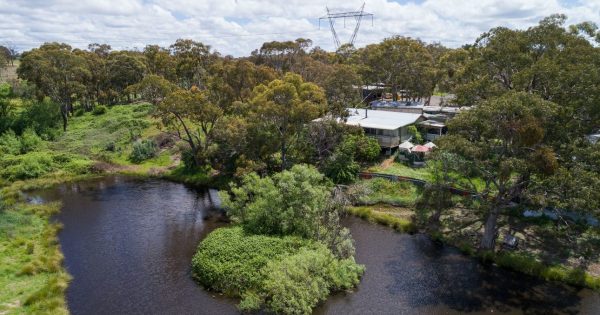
128 244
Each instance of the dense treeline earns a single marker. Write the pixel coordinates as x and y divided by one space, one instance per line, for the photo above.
536 92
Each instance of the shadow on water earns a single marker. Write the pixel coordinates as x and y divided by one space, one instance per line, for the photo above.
410 274
128 245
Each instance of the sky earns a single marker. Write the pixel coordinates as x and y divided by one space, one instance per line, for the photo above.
236 27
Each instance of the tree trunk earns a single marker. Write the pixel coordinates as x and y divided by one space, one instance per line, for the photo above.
64 114
488 241
283 155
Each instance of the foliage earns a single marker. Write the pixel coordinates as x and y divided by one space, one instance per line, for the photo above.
298 202
340 90
364 149
230 260
143 150
43 116
152 88
181 111
500 141
279 273
417 137
99 110
30 141
9 143
401 62
296 283
47 66
288 203
6 108
282 108
341 168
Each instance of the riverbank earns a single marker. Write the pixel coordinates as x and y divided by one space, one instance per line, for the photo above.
32 273
401 220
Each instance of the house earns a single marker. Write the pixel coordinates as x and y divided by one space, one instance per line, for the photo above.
389 128
433 129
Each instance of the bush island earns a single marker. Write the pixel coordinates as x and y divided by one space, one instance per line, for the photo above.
284 274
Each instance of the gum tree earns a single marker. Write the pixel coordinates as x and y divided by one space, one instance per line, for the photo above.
504 143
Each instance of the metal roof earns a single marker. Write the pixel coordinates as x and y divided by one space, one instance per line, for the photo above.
380 119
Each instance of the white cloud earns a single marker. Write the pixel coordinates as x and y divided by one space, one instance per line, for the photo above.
239 26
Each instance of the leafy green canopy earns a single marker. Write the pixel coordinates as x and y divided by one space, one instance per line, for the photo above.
284 274
503 141
299 201
283 204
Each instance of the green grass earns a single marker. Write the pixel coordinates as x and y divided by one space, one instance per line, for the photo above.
32 276
385 191
529 265
371 214
400 169
92 135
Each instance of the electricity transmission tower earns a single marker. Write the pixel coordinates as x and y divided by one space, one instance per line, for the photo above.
357 15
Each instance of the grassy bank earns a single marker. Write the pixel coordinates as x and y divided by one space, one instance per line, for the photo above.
32 276
384 215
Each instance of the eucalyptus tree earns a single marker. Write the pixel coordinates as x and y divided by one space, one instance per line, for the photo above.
191 117
56 72
192 61
283 107
125 68
505 144
159 61
560 65
342 88
400 62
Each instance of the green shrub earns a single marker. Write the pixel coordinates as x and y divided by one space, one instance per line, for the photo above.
79 112
341 168
296 283
30 141
229 260
43 117
284 274
143 150
363 148
10 143
99 110
27 166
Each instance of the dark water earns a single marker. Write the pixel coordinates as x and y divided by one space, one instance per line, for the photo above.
128 245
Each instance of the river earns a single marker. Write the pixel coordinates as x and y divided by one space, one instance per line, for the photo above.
128 244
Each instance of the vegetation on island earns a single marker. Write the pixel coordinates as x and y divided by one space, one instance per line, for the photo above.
287 251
